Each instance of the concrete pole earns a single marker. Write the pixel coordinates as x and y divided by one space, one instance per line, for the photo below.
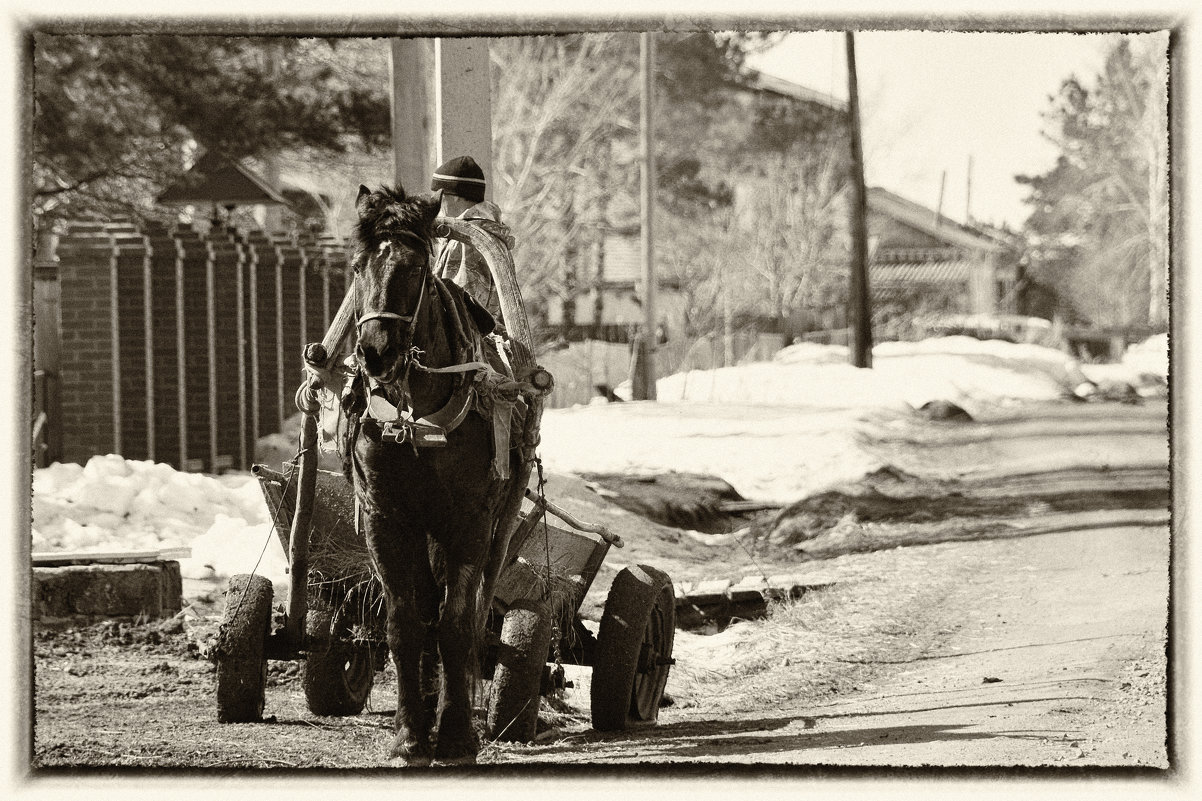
441 107
463 101
413 112
645 383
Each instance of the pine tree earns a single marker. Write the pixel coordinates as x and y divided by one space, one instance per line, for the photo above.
1098 226
116 118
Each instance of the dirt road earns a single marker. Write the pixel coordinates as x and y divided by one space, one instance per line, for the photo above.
1042 651
1045 650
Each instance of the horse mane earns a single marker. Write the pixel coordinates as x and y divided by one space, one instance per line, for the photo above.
385 213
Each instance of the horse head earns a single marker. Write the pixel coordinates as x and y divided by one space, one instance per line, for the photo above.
392 268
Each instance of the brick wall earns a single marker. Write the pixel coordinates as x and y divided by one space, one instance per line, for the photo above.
226 257
165 262
86 370
132 252
162 315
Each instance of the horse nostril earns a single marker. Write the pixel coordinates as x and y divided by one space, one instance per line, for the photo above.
376 359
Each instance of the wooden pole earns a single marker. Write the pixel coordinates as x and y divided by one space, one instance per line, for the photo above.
244 459
859 313
181 364
939 205
968 193
463 104
645 385
211 349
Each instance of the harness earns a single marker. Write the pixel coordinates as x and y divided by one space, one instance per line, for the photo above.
388 404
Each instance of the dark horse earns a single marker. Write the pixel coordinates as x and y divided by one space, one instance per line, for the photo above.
428 514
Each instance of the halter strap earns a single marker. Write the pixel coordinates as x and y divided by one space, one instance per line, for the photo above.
411 319
383 315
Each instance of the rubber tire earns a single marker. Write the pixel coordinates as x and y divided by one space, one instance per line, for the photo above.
640 610
337 679
522 654
241 660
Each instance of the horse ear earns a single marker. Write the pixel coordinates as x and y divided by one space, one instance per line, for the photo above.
433 201
361 201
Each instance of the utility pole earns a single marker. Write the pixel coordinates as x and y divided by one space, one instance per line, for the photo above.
413 112
441 107
968 194
939 206
643 382
859 315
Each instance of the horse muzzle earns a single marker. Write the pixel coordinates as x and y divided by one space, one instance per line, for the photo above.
379 359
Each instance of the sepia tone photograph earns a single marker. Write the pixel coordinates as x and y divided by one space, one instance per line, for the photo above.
609 398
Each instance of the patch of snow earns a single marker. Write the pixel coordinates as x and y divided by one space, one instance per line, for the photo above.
776 431
114 504
1143 365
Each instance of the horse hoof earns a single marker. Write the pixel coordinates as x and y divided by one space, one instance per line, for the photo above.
410 754
456 750
449 762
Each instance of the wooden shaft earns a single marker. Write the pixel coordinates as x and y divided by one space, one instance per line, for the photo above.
340 328
645 382
298 540
563 514
500 264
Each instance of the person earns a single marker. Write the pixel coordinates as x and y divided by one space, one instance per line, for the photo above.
462 183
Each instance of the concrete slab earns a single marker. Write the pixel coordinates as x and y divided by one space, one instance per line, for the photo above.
103 591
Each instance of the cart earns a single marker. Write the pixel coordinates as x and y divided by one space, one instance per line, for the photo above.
335 615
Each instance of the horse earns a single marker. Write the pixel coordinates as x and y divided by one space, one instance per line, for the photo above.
427 513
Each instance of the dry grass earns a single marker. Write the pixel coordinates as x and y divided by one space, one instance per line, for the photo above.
828 643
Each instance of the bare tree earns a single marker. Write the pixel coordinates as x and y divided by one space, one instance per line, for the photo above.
558 102
792 222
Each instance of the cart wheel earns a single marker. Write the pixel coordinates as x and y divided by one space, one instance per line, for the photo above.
337 676
241 662
634 649
525 646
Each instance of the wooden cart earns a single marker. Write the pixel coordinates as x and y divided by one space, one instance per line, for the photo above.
334 620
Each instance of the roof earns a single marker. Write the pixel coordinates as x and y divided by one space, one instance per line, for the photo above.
779 86
926 220
910 273
217 179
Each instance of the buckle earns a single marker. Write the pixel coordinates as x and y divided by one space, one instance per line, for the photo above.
394 433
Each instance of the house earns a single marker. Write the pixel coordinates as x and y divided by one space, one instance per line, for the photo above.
923 261
610 307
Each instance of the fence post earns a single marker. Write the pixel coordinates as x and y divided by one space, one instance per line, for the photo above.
181 343
47 342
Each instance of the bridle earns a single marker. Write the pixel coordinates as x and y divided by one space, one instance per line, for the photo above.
411 318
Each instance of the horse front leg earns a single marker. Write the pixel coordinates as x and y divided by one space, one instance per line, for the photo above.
412 606
458 634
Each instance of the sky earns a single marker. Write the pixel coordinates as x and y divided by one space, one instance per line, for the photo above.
931 100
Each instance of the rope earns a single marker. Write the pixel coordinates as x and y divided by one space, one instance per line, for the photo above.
275 516
556 634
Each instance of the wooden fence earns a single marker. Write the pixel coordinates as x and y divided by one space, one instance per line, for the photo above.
177 346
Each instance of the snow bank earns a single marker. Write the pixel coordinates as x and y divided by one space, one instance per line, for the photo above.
776 431
770 453
779 431
1145 367
1150 357
113 503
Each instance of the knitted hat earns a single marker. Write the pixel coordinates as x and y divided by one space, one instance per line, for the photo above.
460 176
